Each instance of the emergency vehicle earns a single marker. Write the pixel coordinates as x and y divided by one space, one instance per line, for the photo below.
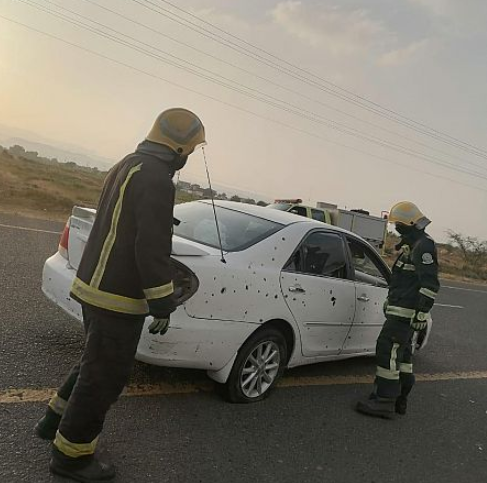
371 228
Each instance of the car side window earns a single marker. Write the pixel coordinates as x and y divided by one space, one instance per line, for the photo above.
320 254
299 210
367 268
318 215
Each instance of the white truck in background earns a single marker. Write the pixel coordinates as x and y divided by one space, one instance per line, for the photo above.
371 228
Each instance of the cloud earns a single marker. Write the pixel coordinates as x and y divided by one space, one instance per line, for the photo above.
440 8
456 17
222 17
339 31
405 54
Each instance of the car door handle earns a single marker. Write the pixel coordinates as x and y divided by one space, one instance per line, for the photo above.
363 298
296 289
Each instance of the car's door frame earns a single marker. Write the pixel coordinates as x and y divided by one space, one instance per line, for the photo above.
369 316
333 281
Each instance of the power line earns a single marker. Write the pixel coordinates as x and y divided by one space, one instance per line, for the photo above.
288 126
253 94
355 99
333 85
287 89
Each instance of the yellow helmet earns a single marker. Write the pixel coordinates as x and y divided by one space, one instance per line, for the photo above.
179 129
408 213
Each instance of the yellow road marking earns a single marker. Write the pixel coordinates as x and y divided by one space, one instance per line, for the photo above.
165 389
25 395
11 396
347 380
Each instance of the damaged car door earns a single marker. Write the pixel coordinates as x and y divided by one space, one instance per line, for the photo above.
319 293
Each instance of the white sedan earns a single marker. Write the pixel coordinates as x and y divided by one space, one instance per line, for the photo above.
279 291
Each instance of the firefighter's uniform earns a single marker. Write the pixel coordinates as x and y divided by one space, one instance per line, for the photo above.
413 288
125 274
412 291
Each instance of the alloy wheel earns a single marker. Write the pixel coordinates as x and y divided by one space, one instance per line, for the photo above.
260 369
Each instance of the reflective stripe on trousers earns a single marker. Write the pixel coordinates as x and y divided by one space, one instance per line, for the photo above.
394 358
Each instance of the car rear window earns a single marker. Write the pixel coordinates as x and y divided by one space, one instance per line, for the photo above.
280 206
238 230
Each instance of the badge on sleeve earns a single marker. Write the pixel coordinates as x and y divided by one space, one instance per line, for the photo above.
427 259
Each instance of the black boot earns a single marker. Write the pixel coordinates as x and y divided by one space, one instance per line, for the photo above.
86 469
401 405
377 406
47 426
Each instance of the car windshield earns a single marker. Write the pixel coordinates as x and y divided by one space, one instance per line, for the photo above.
238 230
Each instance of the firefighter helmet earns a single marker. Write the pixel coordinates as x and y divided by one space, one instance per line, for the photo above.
409 214
179 129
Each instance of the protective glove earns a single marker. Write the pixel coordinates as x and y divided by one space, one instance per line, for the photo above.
159 326
161 308
419 321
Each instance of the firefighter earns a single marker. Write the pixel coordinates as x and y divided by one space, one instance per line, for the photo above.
412 291
124 275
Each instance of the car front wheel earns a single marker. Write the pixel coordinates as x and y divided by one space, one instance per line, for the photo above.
258 366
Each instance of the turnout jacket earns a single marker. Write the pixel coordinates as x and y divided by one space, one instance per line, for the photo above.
414 282
126 267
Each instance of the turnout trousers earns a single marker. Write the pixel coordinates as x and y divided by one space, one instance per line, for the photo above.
97 381
394 353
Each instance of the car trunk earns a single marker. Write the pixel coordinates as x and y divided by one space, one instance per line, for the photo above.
78 229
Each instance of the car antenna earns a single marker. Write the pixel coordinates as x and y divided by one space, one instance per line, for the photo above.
213 205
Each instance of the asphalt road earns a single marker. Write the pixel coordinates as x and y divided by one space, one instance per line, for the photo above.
304 433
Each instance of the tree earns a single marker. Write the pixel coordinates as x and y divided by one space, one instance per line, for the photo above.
31 155
262 203
474 251
208 193
17 150
236 198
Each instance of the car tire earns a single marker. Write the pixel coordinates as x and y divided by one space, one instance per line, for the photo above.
258 366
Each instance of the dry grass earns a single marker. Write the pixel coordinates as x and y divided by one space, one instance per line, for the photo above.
49 190
33 187
451 261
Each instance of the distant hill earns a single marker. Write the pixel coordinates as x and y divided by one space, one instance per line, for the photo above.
49 148
45 186
62 155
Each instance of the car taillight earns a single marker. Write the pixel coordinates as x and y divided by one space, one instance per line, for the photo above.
185 282
64 242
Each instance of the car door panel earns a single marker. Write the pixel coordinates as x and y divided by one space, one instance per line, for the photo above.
368 319
324 312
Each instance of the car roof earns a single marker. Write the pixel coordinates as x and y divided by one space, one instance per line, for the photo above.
277 216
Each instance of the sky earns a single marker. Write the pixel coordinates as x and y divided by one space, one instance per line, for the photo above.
299 98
